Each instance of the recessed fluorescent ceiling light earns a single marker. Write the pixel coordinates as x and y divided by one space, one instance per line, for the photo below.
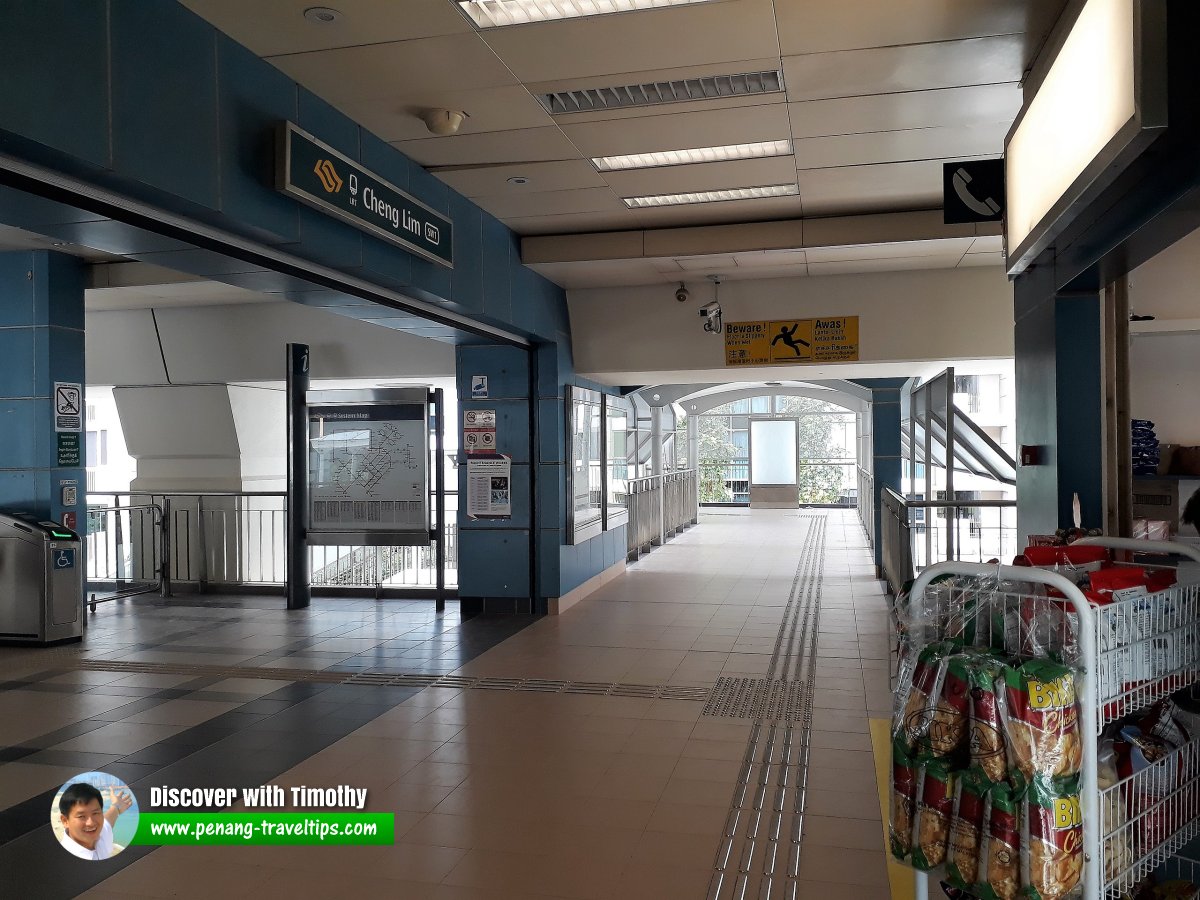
750 193
494 13
698 155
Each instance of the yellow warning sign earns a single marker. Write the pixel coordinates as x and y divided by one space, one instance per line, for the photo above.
792 341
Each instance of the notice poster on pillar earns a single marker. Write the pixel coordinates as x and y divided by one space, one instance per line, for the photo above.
368 472
489 487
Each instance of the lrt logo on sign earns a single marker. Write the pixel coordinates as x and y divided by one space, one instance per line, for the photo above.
328 175
64 559
433 234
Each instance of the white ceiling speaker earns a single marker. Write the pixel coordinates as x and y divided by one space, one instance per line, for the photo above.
443 121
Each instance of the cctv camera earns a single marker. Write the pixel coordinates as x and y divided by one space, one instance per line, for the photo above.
710 310
681 293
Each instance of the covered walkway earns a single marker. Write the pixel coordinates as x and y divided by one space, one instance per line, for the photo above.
630 748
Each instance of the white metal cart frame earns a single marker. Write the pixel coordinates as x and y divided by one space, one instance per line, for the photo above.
1088 686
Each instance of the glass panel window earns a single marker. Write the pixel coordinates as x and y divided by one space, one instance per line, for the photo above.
618 467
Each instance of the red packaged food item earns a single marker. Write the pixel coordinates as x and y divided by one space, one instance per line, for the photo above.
913 722
903 802
966 829
1041 719
935 804
1052 832
1001 852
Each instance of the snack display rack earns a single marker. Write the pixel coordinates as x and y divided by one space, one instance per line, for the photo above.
1130 654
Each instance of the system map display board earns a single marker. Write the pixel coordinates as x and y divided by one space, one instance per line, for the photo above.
368 467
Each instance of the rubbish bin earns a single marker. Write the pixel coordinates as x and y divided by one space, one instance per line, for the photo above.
41 581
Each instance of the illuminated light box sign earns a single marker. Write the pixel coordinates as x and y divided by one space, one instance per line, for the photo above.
1102 102
317 175
792 341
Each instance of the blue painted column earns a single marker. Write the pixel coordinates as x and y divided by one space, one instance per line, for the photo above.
494 574
41 342
886 451
1060 403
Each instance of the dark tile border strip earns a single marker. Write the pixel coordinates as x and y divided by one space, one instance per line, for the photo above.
247 746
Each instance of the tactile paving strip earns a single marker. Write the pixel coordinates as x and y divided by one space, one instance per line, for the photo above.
758 698
406 679
759 853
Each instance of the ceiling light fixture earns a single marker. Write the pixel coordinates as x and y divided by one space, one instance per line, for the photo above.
757 150
518 179
322 15
750 193
497 13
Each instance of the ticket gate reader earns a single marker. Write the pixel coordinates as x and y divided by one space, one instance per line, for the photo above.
41 581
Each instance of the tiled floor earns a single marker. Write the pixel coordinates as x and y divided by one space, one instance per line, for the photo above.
497 794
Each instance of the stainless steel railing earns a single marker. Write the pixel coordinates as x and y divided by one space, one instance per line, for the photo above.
660 507
231 539
915 534
124 550
865 501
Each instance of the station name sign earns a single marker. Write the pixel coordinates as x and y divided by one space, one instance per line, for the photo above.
321 177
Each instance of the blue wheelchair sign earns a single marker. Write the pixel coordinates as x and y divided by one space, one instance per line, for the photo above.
64 559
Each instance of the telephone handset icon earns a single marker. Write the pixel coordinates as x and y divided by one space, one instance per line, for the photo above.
985 207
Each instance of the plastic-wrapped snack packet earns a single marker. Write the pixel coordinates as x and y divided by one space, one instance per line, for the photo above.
931 817
1041 719
911 723
1052 833
1001 851
903 802
986 740
966 829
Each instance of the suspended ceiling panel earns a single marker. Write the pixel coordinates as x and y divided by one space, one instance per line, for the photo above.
947 107
728 31
381 71
918 67
397 118
878 95
821 26
274 27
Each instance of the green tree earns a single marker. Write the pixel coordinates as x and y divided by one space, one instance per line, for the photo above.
818 483
716 452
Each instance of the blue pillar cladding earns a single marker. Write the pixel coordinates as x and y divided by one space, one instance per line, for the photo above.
1079 346
494 554
887 454
41 342
1060 403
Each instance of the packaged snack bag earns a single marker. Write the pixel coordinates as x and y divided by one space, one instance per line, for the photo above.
918 700
966 829
951 715
1052 833
986 739
935 805
903 802
1041 720
1000 878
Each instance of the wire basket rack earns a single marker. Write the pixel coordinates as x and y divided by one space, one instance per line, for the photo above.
1130 654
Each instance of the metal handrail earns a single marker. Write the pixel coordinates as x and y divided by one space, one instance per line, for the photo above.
158 551
660 507
901 556
211 539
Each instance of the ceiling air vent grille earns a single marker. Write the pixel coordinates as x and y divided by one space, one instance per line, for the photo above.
654 93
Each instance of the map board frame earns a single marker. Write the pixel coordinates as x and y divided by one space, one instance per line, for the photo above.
388 414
